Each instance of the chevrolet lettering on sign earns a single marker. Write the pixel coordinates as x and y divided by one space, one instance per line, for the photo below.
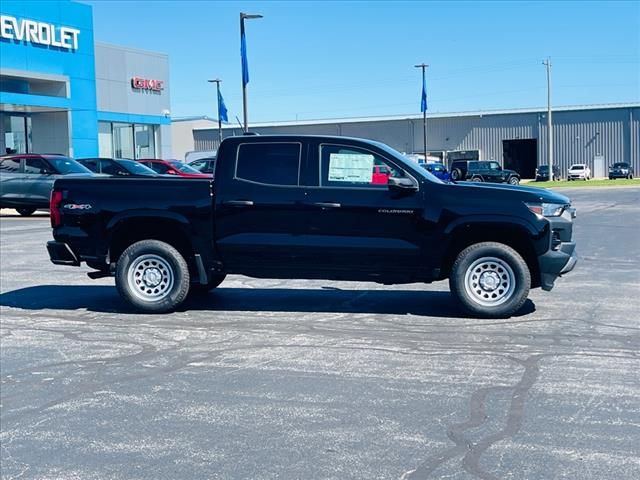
140 83
40 33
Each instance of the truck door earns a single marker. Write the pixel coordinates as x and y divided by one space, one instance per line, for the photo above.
259 207
357 226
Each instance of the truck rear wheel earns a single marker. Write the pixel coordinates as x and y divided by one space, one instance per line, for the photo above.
490 279
152 276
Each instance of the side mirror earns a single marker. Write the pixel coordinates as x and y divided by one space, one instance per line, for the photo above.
402 185
44 171
172 172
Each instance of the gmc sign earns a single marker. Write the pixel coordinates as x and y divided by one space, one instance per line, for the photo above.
140 83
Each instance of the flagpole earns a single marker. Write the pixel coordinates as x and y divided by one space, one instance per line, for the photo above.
217 82
424 66
245 67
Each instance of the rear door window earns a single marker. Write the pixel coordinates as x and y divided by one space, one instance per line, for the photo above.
91 164
269 163
10 165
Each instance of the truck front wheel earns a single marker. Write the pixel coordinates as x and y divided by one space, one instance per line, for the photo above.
490 279
152 276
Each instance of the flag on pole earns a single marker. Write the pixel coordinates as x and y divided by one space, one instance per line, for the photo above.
222 109
245 63
423 103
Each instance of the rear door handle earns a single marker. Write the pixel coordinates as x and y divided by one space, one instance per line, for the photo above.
239 203
327 205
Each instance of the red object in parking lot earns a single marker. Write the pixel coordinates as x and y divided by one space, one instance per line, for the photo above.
172 167
380 175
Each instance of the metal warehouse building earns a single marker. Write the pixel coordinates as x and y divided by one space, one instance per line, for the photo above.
598 135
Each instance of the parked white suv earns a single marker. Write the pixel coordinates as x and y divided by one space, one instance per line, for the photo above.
579 171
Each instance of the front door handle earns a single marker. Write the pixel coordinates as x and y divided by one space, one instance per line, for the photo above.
239 203
327 205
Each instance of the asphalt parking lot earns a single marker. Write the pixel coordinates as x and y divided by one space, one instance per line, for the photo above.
267 379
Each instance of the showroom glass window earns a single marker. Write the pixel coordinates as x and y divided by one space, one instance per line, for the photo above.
123 140
144 141
17 134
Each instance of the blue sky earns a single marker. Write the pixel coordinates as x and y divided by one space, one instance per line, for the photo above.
310 60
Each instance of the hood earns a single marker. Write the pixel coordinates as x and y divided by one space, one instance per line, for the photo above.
512 192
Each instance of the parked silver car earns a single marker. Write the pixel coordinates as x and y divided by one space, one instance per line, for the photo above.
26 180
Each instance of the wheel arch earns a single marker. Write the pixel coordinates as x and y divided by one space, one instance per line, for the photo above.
513 232
168 227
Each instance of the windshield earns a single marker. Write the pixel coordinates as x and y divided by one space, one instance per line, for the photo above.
65 165
620 165
577 167
183 167
403 161
136 168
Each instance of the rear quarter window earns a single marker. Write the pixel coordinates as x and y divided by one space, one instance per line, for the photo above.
269 163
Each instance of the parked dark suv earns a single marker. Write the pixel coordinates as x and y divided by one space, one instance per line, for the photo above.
542 173
483 171
620 170
26 179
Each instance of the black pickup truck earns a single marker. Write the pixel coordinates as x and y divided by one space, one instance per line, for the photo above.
316 208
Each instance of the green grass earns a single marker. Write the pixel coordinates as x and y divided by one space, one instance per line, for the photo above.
581 183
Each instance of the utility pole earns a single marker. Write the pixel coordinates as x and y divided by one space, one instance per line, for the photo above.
547 63
423 107
217 82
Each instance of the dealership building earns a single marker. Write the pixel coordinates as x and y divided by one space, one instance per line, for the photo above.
62 92
598 135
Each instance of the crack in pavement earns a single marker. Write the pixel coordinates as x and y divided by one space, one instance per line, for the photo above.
473 451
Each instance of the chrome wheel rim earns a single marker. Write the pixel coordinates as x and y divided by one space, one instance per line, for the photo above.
490 281
150 278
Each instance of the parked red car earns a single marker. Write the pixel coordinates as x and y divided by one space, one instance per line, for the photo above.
172 167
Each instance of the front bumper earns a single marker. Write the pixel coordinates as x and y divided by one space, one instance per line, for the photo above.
618 174
61 254
556 263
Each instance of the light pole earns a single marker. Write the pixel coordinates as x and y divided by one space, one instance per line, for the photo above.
217 82
423 106
245 65
547 63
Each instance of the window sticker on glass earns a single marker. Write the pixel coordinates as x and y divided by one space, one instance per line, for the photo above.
351 167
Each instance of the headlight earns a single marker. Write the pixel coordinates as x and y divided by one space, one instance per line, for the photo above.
546 209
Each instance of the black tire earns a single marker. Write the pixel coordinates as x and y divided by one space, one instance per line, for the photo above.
200 289
25 211
456 174
512 286
169 265
514 181
630 177
611 178
477 179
